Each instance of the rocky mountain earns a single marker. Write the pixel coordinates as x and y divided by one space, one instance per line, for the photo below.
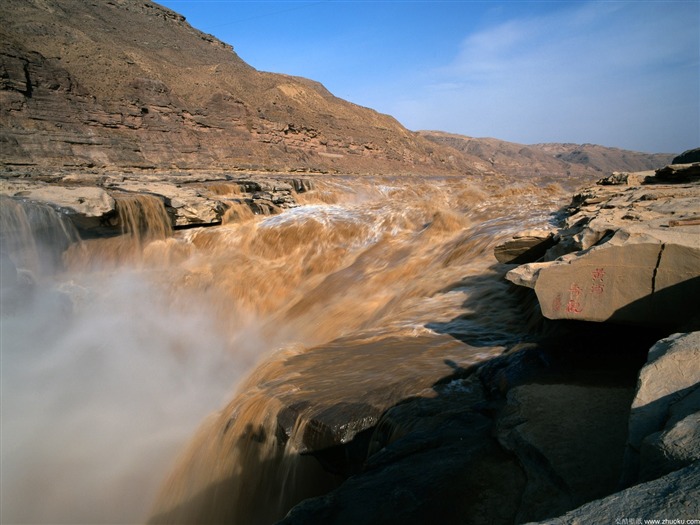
129 84
559 160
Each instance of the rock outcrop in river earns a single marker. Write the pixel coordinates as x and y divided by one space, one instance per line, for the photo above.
570 420
635 252
92 202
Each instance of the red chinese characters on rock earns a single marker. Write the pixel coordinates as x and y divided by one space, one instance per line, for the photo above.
573 305
556 303
598 284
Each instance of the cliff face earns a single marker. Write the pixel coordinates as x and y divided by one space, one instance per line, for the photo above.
128 83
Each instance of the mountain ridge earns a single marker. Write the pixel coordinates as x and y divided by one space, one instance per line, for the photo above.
129 84
560 159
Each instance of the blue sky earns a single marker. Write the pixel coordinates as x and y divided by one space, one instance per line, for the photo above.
616 73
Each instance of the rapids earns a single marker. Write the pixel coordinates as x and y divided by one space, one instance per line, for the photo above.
115 350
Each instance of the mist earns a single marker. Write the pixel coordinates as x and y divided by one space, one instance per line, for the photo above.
103 381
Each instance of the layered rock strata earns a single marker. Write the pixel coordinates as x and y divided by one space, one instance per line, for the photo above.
627 252
130 84
92 201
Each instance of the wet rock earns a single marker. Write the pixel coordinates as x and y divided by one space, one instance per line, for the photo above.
263 207
664 407
187 203
672 497
444 467
87 206
302 185
89 198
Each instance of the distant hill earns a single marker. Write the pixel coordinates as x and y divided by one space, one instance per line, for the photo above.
129 84
558 160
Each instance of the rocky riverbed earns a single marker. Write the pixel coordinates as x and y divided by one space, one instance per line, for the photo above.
406 402
594 413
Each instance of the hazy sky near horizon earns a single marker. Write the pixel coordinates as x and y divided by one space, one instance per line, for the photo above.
622 73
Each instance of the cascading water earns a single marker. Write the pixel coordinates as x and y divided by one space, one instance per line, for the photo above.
35 234
366 295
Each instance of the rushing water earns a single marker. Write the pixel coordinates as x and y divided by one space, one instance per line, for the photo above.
115 350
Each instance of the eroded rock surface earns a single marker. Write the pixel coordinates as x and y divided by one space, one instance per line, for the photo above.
90 200
672 497
626 253
663 433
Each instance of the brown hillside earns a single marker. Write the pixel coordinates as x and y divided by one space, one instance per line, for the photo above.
128 83
558 160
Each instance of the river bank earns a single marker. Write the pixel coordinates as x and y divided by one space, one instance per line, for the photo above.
383 365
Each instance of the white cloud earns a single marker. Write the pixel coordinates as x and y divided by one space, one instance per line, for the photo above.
617 73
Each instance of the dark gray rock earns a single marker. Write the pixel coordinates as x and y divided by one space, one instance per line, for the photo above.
674 496
570 441
688 156
666 389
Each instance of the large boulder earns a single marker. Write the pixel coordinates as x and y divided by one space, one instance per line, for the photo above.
627 255
670 499
634 277
663 427
688 156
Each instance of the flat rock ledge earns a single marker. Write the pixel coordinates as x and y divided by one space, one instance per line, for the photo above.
628 251
91 200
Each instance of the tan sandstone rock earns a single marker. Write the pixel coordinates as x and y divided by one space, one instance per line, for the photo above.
626 254
89 201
